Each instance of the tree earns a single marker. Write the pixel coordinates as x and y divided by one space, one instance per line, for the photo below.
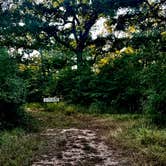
64 22
40 71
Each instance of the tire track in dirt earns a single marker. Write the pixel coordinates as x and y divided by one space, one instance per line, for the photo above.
76 147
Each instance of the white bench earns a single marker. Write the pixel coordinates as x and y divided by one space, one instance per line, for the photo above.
51 99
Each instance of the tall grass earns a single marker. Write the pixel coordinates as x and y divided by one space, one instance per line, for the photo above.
17 148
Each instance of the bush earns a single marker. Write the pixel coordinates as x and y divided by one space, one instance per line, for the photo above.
54 106
74 86
12 90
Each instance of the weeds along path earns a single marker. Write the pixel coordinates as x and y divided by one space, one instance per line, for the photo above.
76 147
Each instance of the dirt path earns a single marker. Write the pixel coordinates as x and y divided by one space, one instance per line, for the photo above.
76 147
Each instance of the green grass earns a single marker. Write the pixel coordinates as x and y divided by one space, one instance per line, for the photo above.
148 140
18 148
133 135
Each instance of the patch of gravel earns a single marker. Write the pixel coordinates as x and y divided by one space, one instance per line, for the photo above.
76 147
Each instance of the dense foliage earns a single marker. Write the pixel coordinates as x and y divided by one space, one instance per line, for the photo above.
12 90
123 67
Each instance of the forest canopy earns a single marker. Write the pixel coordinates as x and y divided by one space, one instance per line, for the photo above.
96 53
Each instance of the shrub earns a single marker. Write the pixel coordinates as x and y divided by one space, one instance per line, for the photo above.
12 90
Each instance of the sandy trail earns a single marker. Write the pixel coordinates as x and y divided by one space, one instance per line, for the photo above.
76 147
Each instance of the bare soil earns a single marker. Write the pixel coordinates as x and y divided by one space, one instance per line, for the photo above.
77 147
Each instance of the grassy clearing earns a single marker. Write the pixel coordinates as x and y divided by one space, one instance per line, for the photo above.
133 135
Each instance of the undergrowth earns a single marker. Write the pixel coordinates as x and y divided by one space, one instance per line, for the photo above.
18 148
142 140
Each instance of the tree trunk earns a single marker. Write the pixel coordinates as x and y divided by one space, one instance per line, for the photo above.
80 61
